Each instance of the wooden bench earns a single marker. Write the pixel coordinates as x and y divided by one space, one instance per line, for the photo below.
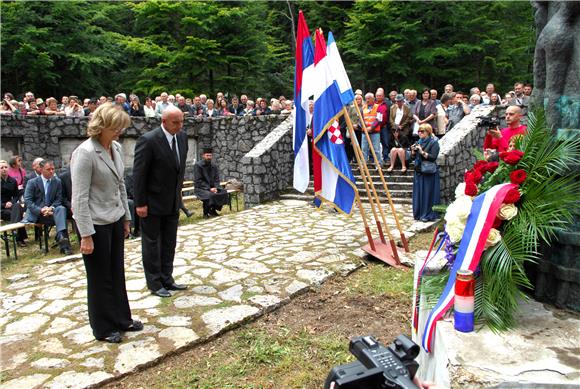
191 188
4 230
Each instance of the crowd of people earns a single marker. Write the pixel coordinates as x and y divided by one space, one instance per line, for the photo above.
405 127
199 106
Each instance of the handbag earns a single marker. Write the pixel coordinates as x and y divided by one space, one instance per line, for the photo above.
428 167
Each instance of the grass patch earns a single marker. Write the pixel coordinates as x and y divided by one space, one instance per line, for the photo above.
378 280
290 359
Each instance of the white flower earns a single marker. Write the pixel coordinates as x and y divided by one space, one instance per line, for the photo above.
493 238
455 230
507 212
463 207
460 190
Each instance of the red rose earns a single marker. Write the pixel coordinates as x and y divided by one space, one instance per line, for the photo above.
481 166
468 177
473 176
492 166
512 196
518 176
511 157
470 189
496 223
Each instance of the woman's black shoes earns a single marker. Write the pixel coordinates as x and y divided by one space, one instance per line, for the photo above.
116 337
135 326
113 337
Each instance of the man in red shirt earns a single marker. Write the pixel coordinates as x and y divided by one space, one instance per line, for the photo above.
499 140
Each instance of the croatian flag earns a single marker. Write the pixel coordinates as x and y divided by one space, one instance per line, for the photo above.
302 92
483 212
338 71
333 179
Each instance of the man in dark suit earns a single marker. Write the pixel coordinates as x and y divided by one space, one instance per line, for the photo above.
43 198
66 183
158 171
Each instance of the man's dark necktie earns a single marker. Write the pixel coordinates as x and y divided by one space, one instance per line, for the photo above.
175 152
47 193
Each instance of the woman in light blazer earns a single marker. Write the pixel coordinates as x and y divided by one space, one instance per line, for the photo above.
100 209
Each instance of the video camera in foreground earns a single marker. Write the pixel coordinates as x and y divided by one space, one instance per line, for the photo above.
377 366
489 122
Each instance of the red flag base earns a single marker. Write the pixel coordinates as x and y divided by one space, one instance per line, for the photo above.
386 252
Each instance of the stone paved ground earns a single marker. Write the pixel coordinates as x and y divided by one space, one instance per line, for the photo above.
238 266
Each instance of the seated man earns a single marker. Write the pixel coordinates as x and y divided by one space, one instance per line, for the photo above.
207 185
43 198
11 208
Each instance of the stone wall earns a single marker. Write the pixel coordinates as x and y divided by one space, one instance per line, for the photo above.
456 153
55 137
268 168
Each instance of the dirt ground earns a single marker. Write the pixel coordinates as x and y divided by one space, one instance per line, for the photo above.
375 300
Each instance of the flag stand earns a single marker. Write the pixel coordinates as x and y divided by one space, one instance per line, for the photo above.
378 248
404 240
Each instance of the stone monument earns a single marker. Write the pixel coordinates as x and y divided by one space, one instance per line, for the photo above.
556 277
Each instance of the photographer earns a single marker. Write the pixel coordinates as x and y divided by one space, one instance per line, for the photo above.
74 109
497 140
426 186
456 111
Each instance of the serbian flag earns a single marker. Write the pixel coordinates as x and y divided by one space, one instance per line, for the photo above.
333 179
483 212
302 92
338 71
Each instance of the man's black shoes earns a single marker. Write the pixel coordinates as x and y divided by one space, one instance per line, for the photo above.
175 286
162 293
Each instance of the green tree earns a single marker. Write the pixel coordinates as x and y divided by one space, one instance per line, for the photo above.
52 47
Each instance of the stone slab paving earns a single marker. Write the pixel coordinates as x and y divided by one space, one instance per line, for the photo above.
237 266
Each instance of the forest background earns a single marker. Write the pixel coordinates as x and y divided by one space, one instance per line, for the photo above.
90 48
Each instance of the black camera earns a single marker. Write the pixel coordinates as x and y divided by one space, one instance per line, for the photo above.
489 122
377 366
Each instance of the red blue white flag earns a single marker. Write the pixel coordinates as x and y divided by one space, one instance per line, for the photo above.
338 71
302 92
479 222
333 179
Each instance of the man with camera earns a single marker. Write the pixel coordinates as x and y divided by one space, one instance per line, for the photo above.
456 110
498 140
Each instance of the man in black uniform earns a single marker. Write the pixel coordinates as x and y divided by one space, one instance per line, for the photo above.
207 184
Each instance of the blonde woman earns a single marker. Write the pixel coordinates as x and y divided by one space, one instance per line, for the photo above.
426 187
100 208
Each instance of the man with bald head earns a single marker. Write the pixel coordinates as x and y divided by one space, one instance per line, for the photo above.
499 139
158 171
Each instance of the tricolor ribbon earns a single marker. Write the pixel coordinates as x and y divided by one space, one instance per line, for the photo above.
437 238
479 223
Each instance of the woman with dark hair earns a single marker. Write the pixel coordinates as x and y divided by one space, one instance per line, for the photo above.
426 186
426 110
399 145
101 211
17 172
223 108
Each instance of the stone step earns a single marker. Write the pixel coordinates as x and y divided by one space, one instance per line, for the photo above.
383 199
393 186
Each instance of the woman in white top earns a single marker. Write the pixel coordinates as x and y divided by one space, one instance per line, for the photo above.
149 108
